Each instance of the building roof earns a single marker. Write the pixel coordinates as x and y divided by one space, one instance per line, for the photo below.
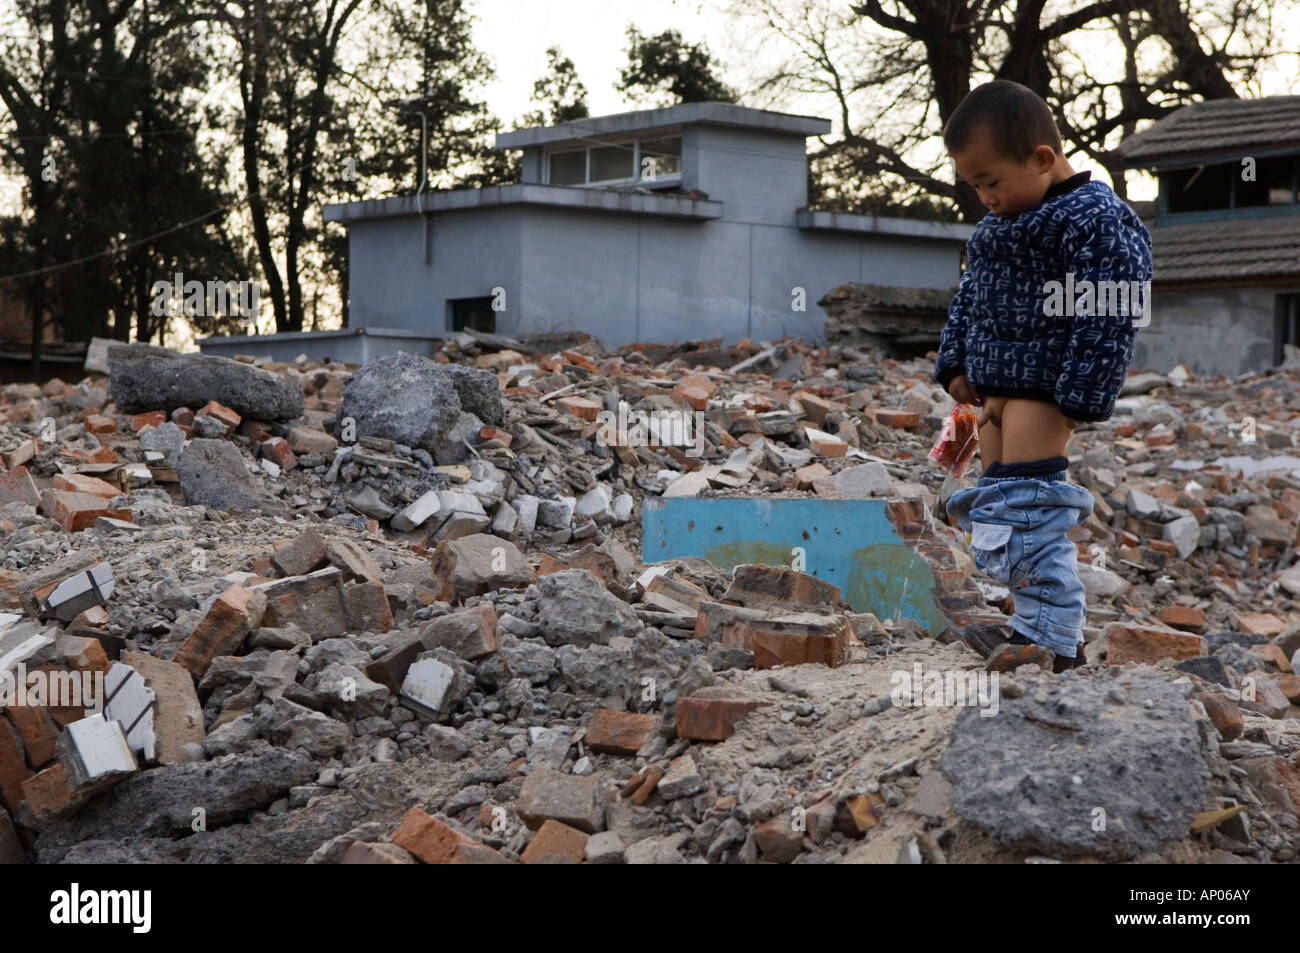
648 120
1227 250
1216 128
619 201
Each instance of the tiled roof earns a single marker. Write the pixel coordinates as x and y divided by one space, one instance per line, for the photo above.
1227 249
1217 125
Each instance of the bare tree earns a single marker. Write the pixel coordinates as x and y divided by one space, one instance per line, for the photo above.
896 72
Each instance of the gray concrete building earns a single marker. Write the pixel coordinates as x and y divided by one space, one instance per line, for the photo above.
1225 235
664 225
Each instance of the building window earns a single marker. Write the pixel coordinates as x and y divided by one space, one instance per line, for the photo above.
643 162
1286 325
1274 183
473 314
569 168
1200 189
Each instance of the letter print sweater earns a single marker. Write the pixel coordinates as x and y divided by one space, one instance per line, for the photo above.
1011 336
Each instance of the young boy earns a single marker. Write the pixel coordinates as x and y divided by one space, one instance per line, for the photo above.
1037 369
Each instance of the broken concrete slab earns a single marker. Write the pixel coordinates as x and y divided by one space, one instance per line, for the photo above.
144 377
1037 776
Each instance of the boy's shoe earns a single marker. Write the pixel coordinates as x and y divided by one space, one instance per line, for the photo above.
1013 655
987 637
1063 664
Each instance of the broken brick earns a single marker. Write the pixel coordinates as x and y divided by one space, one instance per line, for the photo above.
78 511
221 413
153 418
435 842
1187 618
234 614
619 732
556 843
712 719
1145 644
80 483
278 451
38 733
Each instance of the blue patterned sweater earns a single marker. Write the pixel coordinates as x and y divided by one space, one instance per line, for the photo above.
1009 333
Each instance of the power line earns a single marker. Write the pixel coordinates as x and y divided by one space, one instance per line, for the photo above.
104 254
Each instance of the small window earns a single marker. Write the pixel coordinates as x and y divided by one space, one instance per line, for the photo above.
1201 189
611 162
569 168
1272 185
660 157
473 314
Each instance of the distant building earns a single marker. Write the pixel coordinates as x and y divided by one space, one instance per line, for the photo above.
656 225
1225 235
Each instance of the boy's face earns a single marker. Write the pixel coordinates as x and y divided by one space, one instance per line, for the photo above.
1005 186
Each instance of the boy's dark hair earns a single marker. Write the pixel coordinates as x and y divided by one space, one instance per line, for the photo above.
1015 117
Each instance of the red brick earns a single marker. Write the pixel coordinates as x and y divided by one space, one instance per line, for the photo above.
98 423
278 451
1187 618
48 791
779 842
494 433
102 455
1290 686
154 418
905 419
183 417
222 413
37 732
791 639
1133 643
19 455
580 407
1274 655
1260 623
234 614
434 842
828 447
13 766
712 719
556 843
88 485
1226 716
618 732
78 511
694 395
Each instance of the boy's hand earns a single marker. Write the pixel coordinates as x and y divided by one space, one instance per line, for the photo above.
960 391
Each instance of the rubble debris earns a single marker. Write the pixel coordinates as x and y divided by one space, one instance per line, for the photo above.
342 631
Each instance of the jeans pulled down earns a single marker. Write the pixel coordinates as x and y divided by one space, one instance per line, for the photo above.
1017 529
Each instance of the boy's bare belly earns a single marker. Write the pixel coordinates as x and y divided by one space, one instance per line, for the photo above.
1015 430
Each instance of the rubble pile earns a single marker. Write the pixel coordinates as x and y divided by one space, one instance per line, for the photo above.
305 612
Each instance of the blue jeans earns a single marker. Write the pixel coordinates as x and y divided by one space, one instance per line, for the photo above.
1017 527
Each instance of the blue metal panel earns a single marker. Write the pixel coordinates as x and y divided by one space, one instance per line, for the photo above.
850 543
